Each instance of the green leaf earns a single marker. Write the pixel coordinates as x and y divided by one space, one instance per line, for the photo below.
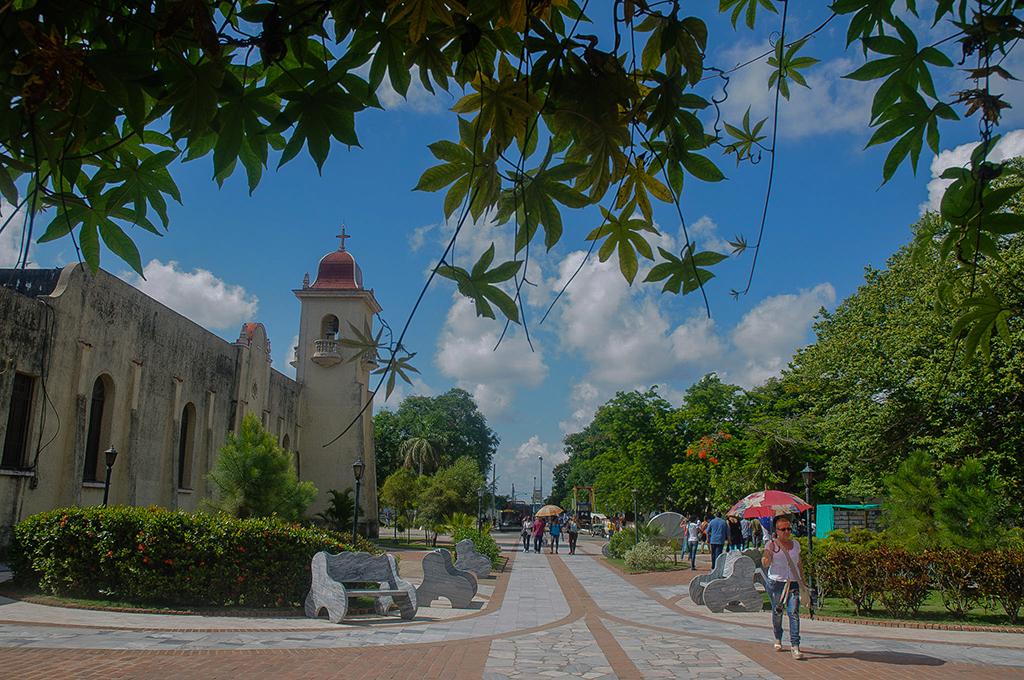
622 233
686 273
479 285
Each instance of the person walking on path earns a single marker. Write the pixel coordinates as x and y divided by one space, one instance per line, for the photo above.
755 533
785 578
556 534
718 535
527 533
538 534
574 534
692 540
735 534
745 530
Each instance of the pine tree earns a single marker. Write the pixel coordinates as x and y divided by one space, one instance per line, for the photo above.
256 478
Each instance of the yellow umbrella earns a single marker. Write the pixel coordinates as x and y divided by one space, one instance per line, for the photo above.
549 511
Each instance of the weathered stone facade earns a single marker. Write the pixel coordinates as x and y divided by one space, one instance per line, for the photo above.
88 362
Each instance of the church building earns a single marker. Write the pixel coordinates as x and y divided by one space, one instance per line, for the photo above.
88 363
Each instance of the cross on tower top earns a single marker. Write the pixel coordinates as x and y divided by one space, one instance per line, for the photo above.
343 236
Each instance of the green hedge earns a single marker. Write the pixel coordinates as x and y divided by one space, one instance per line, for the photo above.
900 579
152 555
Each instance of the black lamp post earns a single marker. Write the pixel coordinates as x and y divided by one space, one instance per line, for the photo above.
808 475
357 469
479 509
111 456
636 520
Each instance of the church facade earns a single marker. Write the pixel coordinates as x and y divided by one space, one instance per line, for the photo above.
90 362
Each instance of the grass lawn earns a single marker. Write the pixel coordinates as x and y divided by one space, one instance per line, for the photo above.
931 611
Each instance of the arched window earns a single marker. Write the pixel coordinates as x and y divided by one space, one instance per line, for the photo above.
98 437
186 444
329 327
286 443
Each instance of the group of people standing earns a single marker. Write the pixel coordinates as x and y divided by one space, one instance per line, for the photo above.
534 530
716 535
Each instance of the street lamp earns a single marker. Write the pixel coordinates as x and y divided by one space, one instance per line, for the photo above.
111 455
540 461
357 469
808 475
636 520
479 503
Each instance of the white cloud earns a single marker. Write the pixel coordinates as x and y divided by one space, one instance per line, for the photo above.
705 232
198 295
416 98
768 335
584 398
469 351
11 237
1010 146
832 104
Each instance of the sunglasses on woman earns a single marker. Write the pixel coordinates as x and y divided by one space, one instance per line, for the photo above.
784 529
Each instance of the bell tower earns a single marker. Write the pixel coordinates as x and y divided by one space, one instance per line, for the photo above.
334 386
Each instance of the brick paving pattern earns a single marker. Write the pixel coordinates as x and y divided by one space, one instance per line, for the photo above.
547 616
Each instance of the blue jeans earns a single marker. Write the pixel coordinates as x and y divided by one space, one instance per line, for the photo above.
526 542
537 542
792 607
716 550
693 553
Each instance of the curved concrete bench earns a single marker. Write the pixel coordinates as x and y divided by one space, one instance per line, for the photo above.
442 579
736 586
697 583
470 560
332 572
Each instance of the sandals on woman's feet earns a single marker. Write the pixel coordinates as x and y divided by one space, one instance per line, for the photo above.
778 645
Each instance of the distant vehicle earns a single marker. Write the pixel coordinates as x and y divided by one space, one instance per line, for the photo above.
598 525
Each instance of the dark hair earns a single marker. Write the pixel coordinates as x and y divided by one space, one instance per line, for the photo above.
718 514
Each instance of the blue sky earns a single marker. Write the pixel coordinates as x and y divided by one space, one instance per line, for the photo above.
229 258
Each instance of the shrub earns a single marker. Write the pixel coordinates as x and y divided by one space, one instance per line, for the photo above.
954 574
645 556
483 541
1001 577
904 582
153 555
848 571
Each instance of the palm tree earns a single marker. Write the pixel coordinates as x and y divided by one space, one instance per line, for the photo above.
421 448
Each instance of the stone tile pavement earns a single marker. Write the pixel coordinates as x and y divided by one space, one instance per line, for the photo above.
545 617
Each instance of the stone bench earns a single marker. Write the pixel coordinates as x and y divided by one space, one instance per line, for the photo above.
331 573
735 587
442 579
470 560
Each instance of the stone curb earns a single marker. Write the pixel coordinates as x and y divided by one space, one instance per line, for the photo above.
914 624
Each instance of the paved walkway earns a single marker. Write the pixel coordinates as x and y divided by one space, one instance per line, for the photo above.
545 617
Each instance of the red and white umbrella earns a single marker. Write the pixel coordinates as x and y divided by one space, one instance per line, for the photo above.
768 504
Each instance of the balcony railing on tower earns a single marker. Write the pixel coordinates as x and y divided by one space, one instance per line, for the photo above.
325 352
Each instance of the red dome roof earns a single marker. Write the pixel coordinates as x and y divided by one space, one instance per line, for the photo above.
338 271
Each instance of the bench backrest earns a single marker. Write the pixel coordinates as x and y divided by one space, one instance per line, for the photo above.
349 567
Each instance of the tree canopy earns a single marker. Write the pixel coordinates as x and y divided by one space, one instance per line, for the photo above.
451 423
104 97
